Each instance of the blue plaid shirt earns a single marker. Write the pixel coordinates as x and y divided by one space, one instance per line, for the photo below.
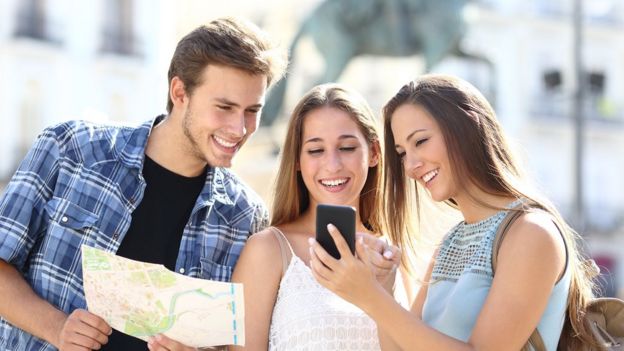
79 184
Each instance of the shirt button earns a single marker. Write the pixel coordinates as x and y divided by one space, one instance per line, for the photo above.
182 270
116 236
64 219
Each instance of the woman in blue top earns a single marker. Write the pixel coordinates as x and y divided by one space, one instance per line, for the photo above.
442 133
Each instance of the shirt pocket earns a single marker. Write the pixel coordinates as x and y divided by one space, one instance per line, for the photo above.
69 214
215 271
67 217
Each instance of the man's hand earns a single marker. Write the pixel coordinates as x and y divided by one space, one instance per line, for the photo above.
83 330
385 258
163 343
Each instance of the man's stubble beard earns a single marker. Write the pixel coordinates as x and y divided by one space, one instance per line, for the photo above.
191 145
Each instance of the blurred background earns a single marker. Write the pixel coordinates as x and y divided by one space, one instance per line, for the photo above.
552 69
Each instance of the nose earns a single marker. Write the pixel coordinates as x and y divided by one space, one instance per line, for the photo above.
412 163
237 126
333 162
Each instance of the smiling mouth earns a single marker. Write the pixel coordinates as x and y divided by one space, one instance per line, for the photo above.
430 175
332 183
224 143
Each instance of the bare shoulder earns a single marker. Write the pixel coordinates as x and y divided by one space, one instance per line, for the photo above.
262 244
535 235
536 229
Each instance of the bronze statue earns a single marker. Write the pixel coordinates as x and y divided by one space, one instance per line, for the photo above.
344 29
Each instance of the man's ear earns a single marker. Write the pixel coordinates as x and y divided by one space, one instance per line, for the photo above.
177 91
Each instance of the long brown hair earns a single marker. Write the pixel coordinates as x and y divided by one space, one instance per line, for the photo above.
230 42
291 197
479 154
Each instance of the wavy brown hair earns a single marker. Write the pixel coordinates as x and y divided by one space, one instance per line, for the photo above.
291 198
479 154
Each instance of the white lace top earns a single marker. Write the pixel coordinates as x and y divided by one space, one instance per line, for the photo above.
307 316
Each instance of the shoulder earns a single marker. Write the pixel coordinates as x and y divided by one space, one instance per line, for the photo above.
263 243
535 235
261 252
77 129
79 136
537 227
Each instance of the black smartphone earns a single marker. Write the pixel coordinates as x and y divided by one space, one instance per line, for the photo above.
343 217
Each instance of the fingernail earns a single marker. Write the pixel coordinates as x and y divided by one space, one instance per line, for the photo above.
311 241
331 226
311 251
387 254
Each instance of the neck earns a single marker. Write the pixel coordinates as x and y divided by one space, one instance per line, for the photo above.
167 145
473 211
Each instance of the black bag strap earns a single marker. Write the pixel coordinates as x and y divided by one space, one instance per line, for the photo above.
535 340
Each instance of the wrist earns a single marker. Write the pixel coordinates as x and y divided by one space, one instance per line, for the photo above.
52 334
373 302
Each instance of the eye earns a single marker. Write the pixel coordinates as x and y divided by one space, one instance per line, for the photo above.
254 111
315 151
348 148
421 141
224 107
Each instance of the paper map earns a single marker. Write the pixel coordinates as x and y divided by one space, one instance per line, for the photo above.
144 299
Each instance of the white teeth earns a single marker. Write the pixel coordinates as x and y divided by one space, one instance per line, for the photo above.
427 177
334 182
224 142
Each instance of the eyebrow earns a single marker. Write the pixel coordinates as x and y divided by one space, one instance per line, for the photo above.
411 135
342 137
232 103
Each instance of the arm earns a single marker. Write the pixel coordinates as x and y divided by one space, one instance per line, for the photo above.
531 259
80 330
22 219
259 268
419 301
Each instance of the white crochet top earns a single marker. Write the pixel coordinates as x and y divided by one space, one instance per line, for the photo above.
307 316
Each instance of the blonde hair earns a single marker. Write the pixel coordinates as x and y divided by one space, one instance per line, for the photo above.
291 197
478 154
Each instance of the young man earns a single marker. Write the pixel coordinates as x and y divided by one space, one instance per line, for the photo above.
158 193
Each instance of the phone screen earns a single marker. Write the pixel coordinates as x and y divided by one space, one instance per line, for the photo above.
343 217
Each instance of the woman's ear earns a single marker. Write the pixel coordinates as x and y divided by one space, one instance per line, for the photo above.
374 154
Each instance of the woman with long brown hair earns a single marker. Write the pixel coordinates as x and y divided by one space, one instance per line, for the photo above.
331 155
443 135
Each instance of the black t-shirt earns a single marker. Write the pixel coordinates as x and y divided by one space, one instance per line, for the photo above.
156 228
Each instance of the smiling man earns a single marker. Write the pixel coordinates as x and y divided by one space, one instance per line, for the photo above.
159 193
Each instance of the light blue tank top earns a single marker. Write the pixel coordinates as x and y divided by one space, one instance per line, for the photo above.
462 277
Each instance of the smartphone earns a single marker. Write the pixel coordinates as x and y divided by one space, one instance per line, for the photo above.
343 217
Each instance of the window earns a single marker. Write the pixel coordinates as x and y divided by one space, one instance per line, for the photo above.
32 20
118 31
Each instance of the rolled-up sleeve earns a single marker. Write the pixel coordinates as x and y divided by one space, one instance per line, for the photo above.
23 201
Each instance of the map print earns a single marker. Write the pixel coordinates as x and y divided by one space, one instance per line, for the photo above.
143 299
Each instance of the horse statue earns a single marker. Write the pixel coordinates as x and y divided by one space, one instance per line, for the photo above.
344 29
